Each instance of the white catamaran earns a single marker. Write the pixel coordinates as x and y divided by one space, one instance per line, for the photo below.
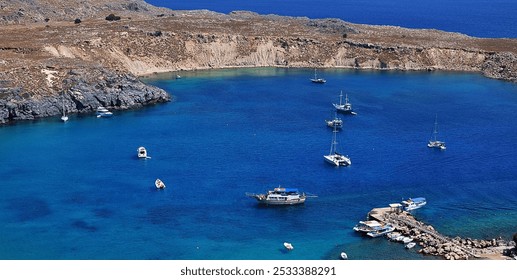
334 157
433 143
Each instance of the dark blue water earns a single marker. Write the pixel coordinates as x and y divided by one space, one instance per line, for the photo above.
480 18
77 190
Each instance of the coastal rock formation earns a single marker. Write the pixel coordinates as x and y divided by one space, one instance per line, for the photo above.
47 45
436 244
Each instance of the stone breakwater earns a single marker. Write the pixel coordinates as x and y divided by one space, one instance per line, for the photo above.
434 243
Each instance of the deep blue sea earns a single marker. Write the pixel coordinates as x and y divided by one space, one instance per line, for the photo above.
76 190
479 18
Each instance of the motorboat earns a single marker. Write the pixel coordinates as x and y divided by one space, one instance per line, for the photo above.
367 226
413 203
142 153
433 142
280 196
346 107
410 245
334 157
159 184
288 246
392 236
102 112
380 232
334 122
407 240
317 80
343 256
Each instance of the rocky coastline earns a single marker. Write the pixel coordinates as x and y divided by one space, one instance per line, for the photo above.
91 52
431 242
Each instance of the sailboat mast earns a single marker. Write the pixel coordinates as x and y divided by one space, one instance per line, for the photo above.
435 132
341 98
333 146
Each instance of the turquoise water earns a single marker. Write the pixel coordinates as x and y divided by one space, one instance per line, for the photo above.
479 18
77 191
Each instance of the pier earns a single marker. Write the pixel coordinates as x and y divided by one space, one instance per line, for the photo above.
434 243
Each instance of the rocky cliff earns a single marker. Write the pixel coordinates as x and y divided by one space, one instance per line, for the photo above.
90 51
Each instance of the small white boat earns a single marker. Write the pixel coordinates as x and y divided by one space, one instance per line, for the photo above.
400 238
344 256
407 240
380 232
334 121
102 112
64 117
410 245
392 236
413 203
288 246
159 184
142 153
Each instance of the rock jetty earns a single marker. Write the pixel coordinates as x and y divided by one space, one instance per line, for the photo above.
112 43
434 243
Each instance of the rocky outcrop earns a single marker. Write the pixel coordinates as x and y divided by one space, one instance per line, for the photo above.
111 90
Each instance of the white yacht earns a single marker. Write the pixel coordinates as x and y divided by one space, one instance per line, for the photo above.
413 203
367 226
102 112
288 246
433 142
334 122
280 196
334 157
346 107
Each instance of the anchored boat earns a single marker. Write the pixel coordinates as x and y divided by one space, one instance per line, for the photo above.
413 203
280 196
433 142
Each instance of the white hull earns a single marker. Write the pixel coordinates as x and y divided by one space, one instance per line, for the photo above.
337 160
159 184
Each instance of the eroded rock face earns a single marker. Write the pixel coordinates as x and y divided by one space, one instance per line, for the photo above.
48 54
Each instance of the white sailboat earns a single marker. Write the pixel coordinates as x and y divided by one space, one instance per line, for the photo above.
346 107
64 117
334 157
318 80
433 142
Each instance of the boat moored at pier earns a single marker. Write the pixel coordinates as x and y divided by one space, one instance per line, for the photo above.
413 203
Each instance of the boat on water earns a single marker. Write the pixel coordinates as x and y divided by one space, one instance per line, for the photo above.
393 236
334 157
367 226
280 196
317 80
413 203
159 184
102 112
64 117
433 142
288 246
410 245
380 232
142 153
346 107
343 256
334 122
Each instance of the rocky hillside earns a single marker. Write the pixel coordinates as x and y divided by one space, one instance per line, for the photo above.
91 51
